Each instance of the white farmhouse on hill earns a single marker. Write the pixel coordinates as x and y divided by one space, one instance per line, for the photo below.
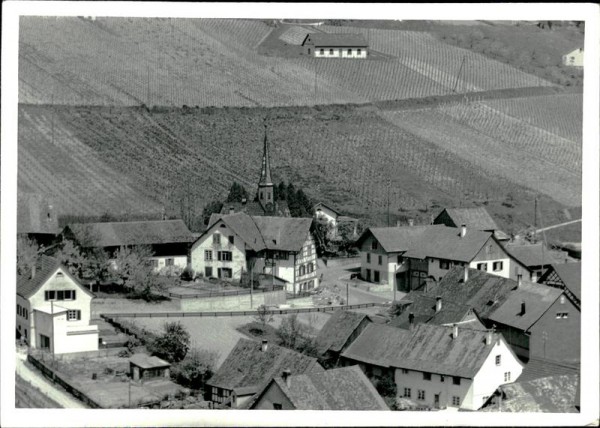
325 45
574 58
54 310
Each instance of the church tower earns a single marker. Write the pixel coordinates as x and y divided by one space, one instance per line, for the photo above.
265 185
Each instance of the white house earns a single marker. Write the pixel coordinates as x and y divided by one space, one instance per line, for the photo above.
327 45
54 310
574 58
327 215
238 243
437 366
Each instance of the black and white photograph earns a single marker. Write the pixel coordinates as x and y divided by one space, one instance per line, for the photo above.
379 215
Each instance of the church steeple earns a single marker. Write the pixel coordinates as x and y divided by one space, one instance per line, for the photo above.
265 184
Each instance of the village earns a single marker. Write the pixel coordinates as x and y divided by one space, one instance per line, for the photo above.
273 293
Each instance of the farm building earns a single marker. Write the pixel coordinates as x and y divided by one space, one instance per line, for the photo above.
436 367
339 332
265 204
144 368
409 257
54 310
36 218
325 45
574 58
238 243
537 257
345 388
169 239
249 366
327 215
474 218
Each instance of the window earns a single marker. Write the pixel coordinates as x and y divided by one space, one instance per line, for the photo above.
231 239
399 261
308 250
455 400
426 376
368 275
455 380
170 262
330 51
59 274
368 257
208 255
358 51
277 406
404 371
380 260
444 264
60 295
154 263
482 266
506 376
73 315
310 267
421 395
375 276
442 378
349 51
562 300
224 256
374 245
216 239
562 315
19 310
497 266
302 270
322 51
225 273
498 359
25 333
44 342
208 271
407 392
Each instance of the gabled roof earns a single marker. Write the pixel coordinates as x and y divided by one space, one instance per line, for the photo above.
422 306
146 361
534 254
338 329
45 268
395 239
475 218
537 298
344 388
321 204
36 214
254 208
378 344
262 232
130 233
247 365
570 274
339 40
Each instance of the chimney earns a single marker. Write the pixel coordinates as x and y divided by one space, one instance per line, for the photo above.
534 277
455 331
489 337
411 221
522 308
463 230
438 304
519 280
33 271
466 273
265 345
231 210
411 320
287 375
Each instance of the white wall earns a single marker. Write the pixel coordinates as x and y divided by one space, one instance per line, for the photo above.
506 265
178 261
65 336
308 254
343 54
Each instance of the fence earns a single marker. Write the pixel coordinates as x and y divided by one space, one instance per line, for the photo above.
224 293
57 378
109 317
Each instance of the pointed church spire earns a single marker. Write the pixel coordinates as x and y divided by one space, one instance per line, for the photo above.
265 172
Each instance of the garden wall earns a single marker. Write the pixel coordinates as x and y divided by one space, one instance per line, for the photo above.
236 302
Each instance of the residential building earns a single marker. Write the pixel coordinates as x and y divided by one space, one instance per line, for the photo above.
265 203
537 257
169 239
344 388
436 366
409 257
567 277
476 218
238 243
574 58
37 218
249 366
339 45
326 215
540 322
54 310
338 333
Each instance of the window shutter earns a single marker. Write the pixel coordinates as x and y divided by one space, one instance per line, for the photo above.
73 295
46 297
78 314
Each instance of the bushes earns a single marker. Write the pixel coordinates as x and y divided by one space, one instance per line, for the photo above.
195 369
173 345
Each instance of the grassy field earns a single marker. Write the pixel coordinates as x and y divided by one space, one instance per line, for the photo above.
29 397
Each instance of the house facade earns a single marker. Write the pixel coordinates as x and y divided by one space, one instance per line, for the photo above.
409 257
54 310
574 58
567 277
438 367
327 215
238 243
326 45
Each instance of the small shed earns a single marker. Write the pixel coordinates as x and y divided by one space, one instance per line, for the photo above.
143 368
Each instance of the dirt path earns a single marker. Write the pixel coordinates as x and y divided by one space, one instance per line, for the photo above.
558 225
47 388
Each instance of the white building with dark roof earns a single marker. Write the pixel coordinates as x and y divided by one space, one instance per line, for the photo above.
339 45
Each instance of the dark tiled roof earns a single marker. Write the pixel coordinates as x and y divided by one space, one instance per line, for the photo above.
36 214
27 286
537 298
338 40
130 233
446 243
423 305
336 331
378 344
395 239
254 208
247 365
553 394
475 218
535 254
344 388
570 274
538 368
145 361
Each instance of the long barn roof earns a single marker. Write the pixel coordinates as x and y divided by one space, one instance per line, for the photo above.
338 40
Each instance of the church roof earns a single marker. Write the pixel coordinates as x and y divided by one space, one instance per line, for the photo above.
265 171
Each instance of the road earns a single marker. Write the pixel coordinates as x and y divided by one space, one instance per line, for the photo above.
558 225
52 391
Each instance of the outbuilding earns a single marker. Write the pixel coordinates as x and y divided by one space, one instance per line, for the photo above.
144 368
343 45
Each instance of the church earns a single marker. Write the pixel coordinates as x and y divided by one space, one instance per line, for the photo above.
266 205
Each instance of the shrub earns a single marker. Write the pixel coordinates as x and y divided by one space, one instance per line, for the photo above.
264 315
187 274
173 345
195 369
